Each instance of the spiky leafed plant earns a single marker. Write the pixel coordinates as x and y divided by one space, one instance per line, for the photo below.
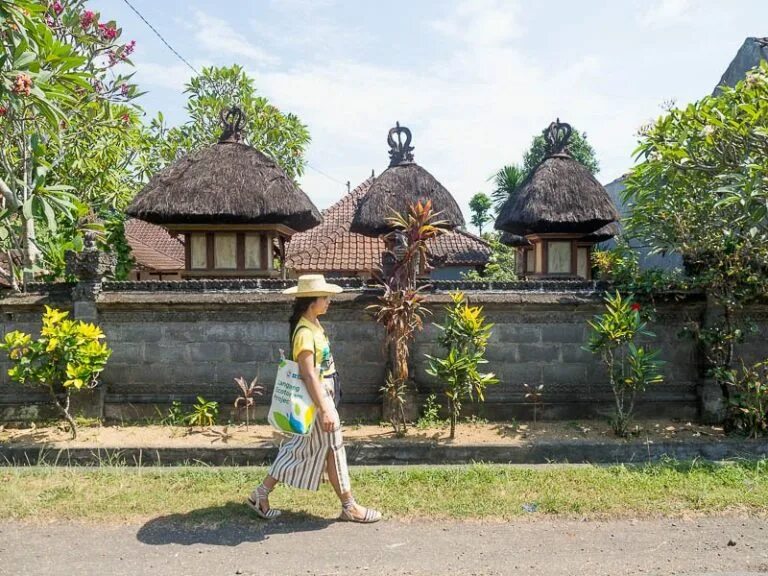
506 180
400 309
247 397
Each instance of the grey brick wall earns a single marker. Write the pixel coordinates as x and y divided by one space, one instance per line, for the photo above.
177 346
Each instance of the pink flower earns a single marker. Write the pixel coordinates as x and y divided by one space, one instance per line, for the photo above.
129 48
49 21
57 7
107 32
124 88
87 19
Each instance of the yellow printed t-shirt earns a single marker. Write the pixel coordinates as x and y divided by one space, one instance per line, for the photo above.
309 336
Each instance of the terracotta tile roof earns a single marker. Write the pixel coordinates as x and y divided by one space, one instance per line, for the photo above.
152 247
331 247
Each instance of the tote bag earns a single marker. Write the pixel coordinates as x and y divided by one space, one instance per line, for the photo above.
292 410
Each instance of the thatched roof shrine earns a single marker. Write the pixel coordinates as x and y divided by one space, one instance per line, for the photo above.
226 183
233 205
557 214
402 184
560 195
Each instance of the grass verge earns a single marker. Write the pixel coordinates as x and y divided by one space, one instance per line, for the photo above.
492 492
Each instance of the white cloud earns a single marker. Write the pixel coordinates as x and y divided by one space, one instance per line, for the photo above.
218 37
482 22
172 76
663 13
471 111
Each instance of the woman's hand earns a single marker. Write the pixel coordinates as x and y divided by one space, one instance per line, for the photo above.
329 418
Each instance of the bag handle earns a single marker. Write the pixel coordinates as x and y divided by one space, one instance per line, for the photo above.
314 344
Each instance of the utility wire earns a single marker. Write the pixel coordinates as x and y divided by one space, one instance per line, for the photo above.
163 40
180 57
326 175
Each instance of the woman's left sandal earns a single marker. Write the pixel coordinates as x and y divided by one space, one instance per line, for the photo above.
369 517
270 514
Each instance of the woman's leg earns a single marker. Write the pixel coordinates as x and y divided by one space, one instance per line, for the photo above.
348 503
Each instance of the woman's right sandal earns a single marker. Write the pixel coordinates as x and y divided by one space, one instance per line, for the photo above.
262 493
369 517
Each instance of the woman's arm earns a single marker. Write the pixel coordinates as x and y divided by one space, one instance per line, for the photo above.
328 417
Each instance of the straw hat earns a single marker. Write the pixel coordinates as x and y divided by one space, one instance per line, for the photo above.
313 285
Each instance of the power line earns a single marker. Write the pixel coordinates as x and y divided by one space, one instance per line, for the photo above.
163 40
326 175
180 57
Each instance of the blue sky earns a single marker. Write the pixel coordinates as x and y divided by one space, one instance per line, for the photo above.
474 80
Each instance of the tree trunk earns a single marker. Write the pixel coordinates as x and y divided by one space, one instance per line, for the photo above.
64 409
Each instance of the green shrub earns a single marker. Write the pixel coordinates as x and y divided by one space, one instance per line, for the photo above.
68 356
203 413
748 403
631 368
465 336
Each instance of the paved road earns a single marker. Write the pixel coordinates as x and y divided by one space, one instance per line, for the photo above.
301 546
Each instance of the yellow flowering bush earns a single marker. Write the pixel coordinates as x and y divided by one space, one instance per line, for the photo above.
69 355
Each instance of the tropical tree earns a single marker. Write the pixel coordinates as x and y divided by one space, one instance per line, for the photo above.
506 181
400 309
701 190
59 88
480 205
282 136
578 146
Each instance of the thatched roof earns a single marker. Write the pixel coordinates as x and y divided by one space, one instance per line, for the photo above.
331 248
402 184
514 240
605 233
226 183
560 195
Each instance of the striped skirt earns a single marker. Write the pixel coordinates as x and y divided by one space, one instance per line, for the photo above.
301 460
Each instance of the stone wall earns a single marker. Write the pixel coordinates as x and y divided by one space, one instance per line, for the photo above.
172 344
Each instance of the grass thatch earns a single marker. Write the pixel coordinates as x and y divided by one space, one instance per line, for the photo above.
560 195
394 191
605 233
227 183
513 239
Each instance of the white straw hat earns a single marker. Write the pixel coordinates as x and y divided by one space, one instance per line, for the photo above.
313 285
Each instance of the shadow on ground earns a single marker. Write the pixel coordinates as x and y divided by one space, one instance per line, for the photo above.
227 525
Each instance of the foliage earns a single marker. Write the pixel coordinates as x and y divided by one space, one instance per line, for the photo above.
749 402
465 337
701 190
631 367
203 413
64 111
533 395
175 416
501 262
68 356
480 206
506 181
281 136
578 146
247 397
620 266
400 308
430 414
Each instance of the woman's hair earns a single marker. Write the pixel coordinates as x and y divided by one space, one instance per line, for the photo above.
300 306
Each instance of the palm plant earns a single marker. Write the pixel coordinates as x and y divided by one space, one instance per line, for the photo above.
506 181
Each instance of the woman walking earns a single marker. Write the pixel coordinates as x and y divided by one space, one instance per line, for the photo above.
302 460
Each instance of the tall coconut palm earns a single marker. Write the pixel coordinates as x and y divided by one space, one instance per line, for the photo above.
506 180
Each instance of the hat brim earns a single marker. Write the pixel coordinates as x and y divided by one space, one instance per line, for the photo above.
328 290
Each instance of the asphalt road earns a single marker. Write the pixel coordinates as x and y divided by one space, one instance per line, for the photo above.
303 546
